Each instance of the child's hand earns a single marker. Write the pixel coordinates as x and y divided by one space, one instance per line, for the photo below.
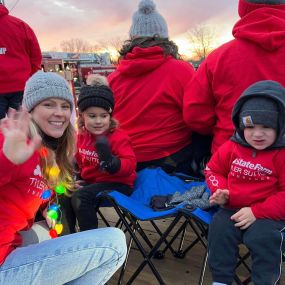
243 218
103 149
78 184
15 129
51 223
108 161
220 197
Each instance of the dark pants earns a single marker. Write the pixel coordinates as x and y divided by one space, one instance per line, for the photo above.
189 160
68 218
85 202
263 239
10 100
177 162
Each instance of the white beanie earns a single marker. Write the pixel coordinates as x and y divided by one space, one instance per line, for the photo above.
147 22
45 85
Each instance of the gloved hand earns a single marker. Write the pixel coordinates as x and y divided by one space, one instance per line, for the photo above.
108 162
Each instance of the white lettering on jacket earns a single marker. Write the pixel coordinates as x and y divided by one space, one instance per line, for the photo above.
37 184
89 157
251 166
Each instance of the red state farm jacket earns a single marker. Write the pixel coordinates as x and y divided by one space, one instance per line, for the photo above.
254 178
88 161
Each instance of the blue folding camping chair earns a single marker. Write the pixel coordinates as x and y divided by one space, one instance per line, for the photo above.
136 208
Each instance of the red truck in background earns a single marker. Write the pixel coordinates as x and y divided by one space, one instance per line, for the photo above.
75 67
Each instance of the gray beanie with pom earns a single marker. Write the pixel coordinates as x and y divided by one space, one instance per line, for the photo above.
45 85
271 2
147 22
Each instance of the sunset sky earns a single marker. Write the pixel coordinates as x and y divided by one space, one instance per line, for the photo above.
98 21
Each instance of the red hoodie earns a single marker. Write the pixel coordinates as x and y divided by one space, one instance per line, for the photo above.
256 53
88 162
148 89
256 181
21 187
20 54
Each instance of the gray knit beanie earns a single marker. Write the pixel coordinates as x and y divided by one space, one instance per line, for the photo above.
271 2
147 22
44 85
257 110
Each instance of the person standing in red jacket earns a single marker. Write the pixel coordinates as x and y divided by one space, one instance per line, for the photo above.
20 57
256 53
105 157
148 87
246 176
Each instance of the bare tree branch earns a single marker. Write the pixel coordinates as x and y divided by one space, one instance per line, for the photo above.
75 45
201 38
113 47
96 48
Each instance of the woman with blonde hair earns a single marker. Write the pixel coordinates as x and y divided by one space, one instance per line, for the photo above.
36 152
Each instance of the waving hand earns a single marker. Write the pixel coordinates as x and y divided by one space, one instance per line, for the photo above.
17 148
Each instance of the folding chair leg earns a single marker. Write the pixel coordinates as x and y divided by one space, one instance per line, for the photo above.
103 218
184 226
160 254
141 249
143 235
246 281
200 236
237 280
119 224
202 274
123 269
242 260
179 250
152 252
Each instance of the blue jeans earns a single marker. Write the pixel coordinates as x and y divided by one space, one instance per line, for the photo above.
89 257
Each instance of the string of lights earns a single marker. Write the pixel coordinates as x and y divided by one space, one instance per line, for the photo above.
53 209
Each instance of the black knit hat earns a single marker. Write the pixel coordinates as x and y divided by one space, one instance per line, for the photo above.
96 96
258 110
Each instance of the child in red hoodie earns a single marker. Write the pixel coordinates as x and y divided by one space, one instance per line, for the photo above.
105 156
247 178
